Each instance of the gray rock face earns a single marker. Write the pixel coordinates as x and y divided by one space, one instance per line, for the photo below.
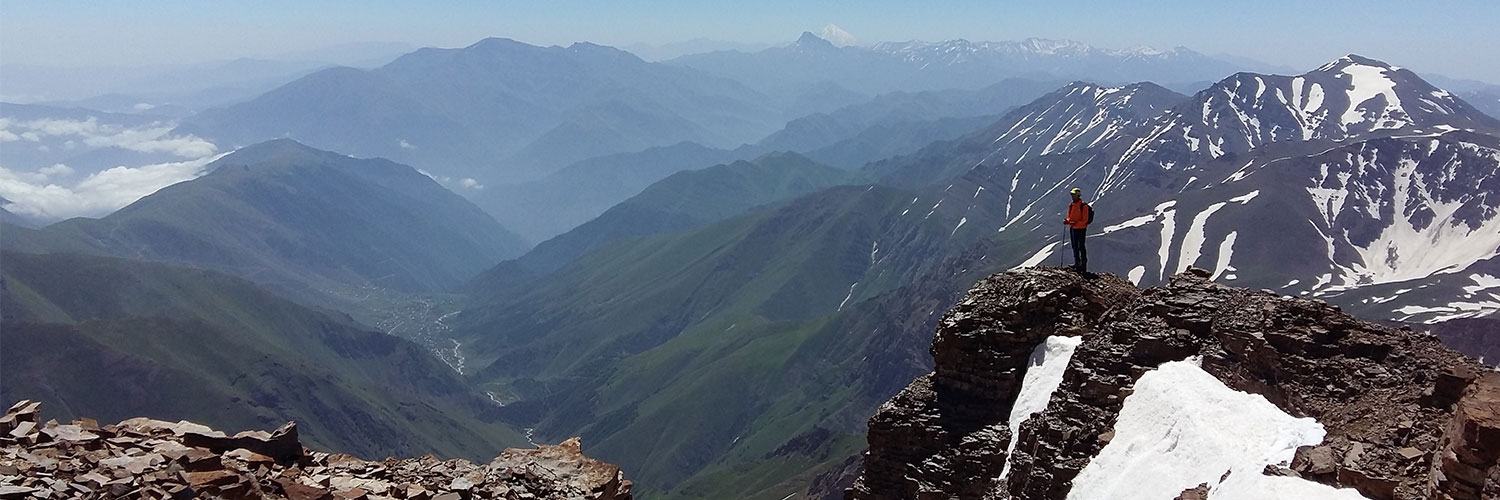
152 459
1406 417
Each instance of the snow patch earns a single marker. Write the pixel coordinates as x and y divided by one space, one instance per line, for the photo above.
1135 274
1368 82
1182 427
961 222
1039 256
1245 200
1192 242
1136 222
1044 372
1168 227
847 297
1226 251
1482 282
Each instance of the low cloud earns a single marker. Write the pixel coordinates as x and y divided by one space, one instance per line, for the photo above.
151 138
94 196
57 169
448 182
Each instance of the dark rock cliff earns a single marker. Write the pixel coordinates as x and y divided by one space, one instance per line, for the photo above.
1405 417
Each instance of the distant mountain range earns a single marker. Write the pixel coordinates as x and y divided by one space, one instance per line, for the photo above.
499 110
300 221
848 137
917 65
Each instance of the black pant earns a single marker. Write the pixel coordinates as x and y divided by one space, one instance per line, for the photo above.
1080 252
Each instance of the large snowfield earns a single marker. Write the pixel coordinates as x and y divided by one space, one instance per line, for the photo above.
1182 427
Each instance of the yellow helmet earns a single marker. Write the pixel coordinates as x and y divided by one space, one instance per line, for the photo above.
1076 191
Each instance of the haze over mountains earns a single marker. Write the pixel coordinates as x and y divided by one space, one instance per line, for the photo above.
713 268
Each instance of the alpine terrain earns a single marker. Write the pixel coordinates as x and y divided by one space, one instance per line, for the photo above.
744 356
816 270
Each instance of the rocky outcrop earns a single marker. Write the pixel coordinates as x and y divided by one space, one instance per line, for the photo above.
151 459
1406 418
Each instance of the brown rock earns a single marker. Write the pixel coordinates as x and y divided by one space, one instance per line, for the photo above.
248 456
23 430
11 491
1198 493
69 434
416 492
155 459
353 494
200 460
298 491
281 445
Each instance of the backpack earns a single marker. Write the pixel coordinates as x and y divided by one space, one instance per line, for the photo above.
1090 209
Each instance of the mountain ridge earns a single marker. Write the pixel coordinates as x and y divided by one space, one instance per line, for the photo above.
301 221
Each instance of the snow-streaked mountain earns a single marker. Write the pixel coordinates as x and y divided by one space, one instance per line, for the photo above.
1352 97
954 51
1077 116
1381 184
1062 58
919 65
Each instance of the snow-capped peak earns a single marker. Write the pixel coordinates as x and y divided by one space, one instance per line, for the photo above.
1342 63
1143 51
1054 47
1352 97
837 36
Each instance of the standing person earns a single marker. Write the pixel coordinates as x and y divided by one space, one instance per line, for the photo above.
1080 214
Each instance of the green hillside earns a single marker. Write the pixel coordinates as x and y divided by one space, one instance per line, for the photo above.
113 339
681 201
692 358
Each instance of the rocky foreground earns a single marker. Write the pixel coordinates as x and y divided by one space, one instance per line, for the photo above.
1405 417
151 459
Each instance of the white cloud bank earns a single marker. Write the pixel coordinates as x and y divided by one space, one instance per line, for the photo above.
150 138
97 195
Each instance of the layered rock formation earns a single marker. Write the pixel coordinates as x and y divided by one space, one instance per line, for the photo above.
150 459
1405 417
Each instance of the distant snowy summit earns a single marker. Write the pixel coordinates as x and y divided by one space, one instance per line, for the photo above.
953 51
837 36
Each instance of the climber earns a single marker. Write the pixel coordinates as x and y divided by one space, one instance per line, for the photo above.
1080 214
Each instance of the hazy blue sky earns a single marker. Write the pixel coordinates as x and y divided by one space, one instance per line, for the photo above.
1455 38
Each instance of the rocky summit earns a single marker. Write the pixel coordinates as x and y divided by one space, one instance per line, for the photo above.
143 458
1355 409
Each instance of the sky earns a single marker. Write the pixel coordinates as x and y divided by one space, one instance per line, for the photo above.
1453 38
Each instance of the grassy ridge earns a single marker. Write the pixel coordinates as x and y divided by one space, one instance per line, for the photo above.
114 339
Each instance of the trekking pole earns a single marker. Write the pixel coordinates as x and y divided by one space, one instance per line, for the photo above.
1061 244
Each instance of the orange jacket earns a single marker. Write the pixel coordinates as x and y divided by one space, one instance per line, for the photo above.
1078 215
